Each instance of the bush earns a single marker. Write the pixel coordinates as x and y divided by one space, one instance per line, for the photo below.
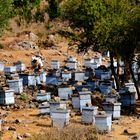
24 97
1 46
70 133
53 10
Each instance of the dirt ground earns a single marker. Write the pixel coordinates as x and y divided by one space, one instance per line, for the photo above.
31 123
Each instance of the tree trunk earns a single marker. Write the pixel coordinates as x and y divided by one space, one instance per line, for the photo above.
134 80
113 70
118 67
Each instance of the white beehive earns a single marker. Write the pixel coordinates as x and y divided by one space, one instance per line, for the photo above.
88 114
64 92
103 122
85 98
55 64
7 97
16 85
60 117
113 108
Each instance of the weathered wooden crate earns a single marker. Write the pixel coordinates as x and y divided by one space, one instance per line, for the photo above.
55 64
75 101
65 92
20 66
71 65
10 69
42 77
113 108
85 98
51 80
1 66
16 85
88 114
103 123
79 76
41 97
7 97
44 109
60 117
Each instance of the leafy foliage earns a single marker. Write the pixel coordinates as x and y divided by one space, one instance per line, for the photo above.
24 8
54 10
5 13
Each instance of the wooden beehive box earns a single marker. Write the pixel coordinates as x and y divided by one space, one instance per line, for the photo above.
16 85
60 117
55 64
88 114
7 97
103 122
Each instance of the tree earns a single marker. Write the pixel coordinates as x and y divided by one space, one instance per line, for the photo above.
83 14
54 10
105 24
5 13
23 8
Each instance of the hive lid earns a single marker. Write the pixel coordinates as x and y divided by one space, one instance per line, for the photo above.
90 107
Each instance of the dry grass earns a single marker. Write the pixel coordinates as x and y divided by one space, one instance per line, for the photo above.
69 133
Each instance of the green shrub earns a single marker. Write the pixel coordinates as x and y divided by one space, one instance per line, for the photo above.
1 46
24 97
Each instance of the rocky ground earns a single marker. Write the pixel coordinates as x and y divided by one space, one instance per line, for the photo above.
21 121
25 123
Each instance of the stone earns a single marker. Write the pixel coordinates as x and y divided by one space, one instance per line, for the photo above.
17 121
12 128
19 137
26 135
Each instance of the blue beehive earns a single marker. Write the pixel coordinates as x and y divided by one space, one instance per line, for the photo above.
29 79
127 98
10 69
80 87
51 80
92 84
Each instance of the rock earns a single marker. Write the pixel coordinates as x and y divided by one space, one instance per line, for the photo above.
28 45
19 137
12 128
26 135
32 36
125 131
17 121
135 137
